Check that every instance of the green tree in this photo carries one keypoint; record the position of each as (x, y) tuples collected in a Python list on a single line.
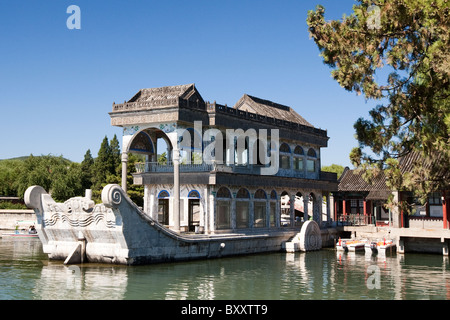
[(162, 158), (106, 167), (336, 168), (9, 170), (67, 182), (87, 167), (115, 153), (395, 52), (135, 192), (60, 177)]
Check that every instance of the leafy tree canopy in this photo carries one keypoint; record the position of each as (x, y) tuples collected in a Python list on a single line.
[(336, 168), (395, 52)]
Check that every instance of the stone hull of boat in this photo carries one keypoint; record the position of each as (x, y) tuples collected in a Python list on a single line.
[(118, 232)]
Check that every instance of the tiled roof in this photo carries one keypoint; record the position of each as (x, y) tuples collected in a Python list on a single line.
[(164, 93), (352, 180), (269, 109), (408, 162)]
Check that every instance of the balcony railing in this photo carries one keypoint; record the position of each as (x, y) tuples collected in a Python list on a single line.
[(356, 219), (142, 167)]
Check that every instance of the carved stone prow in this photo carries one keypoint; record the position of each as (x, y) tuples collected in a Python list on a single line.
[(37, 198)]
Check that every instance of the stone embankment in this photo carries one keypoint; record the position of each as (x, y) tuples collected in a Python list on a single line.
[(9, 218)]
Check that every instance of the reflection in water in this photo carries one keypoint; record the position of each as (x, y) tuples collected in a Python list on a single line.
[(25, 273), (58, 281)]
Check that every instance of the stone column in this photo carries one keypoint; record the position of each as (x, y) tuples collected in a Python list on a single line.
[(292, 210), (233, 212), (305, 207), (150, 209), (124, 171), (176, 190)]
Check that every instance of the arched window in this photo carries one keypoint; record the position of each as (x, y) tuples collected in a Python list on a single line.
[(142, 143), (163, 207), (285, 156), (298, 158), (311, 163), (298, 150), (259, 205), (163, 194), (223, 193), (223, 205), (273, 195), (260, 194), (242, 208), (194, 194), (285, 148), (243, 194), (312, 153)]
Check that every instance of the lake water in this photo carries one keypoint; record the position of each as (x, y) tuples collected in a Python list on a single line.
[(27, 274)]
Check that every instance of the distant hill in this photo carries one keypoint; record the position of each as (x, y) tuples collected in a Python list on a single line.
[(26, 157)]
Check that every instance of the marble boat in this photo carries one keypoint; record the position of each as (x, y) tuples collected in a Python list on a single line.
[(118, 232)]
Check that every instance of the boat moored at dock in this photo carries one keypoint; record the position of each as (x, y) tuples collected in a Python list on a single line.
[(351, 245), (380, 246)]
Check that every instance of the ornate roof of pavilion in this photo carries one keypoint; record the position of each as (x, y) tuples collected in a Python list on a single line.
[(270, 109), (352, 180), (184, 103), (185, 91)]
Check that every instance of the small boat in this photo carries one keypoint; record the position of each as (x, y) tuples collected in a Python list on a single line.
[(341, 245), (382, 246), (371, 247), (386, 246), (350, 245), (355, 245)]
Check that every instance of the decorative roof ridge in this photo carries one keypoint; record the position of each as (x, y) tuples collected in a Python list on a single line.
[(268, 103), (179, 90)]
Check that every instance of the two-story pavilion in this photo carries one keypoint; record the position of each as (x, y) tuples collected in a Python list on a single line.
[(248, 168)]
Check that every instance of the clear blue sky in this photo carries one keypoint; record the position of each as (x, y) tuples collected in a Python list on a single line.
[(58, 85)]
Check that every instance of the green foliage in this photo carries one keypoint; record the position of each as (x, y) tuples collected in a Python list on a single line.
[(10, 205), (64, 179), (9, 170), (57, 175), (105, 169), (399, 56), (336, 168), (135, 192), (162, 158), (87, 168)]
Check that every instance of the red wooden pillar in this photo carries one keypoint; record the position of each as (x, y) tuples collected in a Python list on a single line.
[(343, 208), (365, 210), (445, 208)]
